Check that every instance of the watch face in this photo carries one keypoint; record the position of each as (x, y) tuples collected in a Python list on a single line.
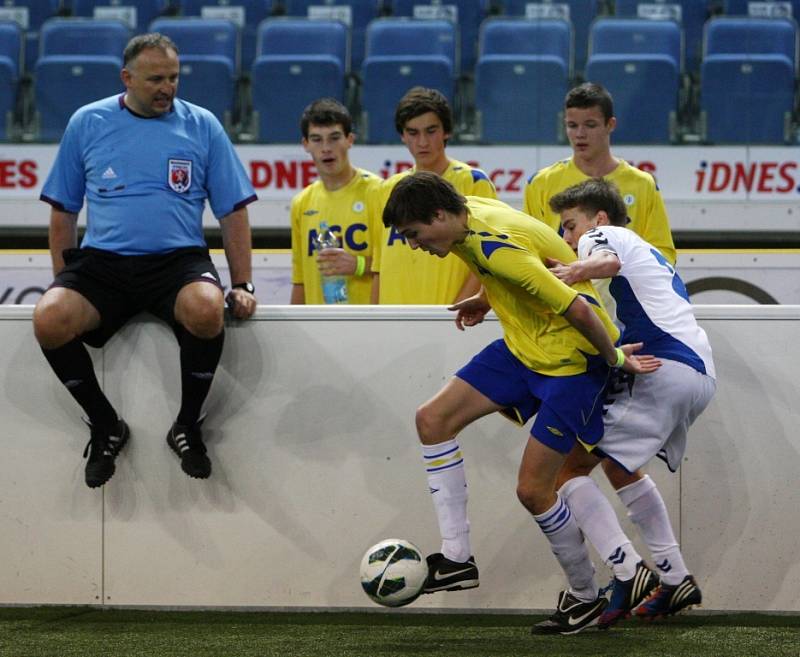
[(247, 287)]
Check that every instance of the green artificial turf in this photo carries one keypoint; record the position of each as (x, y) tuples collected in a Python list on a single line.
[(86, 632)]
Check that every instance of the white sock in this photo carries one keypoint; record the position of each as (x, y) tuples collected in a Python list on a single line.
[(596, 518), (647, 510), (447, 483), (568, 546)]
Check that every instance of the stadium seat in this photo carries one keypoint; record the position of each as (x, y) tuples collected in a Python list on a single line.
[(209, 50), (636, 36), (387, 37), (80, 36), (63, 83), (136, 15), (645, 91), (403, 53), (580, 13), (519, 98), (512, 36), (762, 36), (11, 44), (29, 14), (521, 78), (747, 80), (467, 15), (763, 8), (690, 14), (356, 14), (746, 100), (301, 36), (245, 14), (298, 61)]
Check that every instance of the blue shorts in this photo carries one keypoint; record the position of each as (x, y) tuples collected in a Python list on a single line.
[(567, 408)]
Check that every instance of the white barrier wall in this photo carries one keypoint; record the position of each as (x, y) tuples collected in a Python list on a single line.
[(310, 431)]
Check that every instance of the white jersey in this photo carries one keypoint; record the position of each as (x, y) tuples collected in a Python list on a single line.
[(648, 300)]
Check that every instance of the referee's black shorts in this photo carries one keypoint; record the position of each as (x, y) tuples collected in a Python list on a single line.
[(121, 286)]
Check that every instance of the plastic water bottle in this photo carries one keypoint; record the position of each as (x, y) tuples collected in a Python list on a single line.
[(334, 288)]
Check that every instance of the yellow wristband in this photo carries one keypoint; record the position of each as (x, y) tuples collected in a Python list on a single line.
[(620, 358), (361, 265)]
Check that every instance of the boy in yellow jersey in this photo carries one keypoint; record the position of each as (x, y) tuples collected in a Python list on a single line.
[(425, 123), (553, 361), (589, 120), (341, 197)]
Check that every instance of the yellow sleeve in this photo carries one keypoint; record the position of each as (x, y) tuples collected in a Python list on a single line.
[(526, 270), (528, 204), (535, 203), (297, 238), (378, 197), (484, 187), (656, 228)]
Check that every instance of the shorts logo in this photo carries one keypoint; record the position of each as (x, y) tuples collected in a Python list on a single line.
[(180, 175), (555, 432)]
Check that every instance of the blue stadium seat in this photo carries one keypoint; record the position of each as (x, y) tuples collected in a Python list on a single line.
[(403, 53), (466, 14), (645, 91), (356, 14), (63, 83), (209, 51), (762, 36), (512, 36), (747, 79), (762, 8), (387, 79), (245, 14), (80, 36), (195, 36), (636, 36), (746, 99), (405, 36), (580, 13), (301, 36), (519, 98), (29, 14), (136, 15), (521, 78), (299, 60), (11, 44), (690, 14)]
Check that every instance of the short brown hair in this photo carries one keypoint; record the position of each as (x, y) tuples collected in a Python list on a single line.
[(591, 196), (590, 94), (419, 101), (145, 41), (325, 112), (417, 197)]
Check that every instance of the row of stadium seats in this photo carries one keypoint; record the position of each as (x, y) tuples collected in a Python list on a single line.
[(466, 15), (522, 73)]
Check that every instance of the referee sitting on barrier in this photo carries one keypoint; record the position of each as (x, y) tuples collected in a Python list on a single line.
[(146, 162)]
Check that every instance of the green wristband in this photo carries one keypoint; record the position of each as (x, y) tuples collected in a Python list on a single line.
[(361, 265), (620, 358)]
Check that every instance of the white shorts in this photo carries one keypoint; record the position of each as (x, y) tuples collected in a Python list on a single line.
[(649, 415)]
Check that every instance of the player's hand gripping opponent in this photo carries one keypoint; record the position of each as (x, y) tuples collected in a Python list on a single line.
[(638, 364), (471, 311)]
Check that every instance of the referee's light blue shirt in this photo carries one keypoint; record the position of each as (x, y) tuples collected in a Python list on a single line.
[(146, 180)]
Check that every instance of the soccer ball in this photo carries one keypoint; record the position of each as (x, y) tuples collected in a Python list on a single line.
[(393, 572)]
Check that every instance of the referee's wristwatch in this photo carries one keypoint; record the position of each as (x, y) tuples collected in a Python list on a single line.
[(247, 286)]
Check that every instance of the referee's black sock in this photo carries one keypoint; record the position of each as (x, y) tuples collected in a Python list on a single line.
[(73, 367), (199, 360)]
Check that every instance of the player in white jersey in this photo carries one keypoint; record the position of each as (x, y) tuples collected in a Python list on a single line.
[(645, 416)]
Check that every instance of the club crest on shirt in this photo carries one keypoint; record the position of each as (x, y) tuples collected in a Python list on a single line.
[(180, 175)]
